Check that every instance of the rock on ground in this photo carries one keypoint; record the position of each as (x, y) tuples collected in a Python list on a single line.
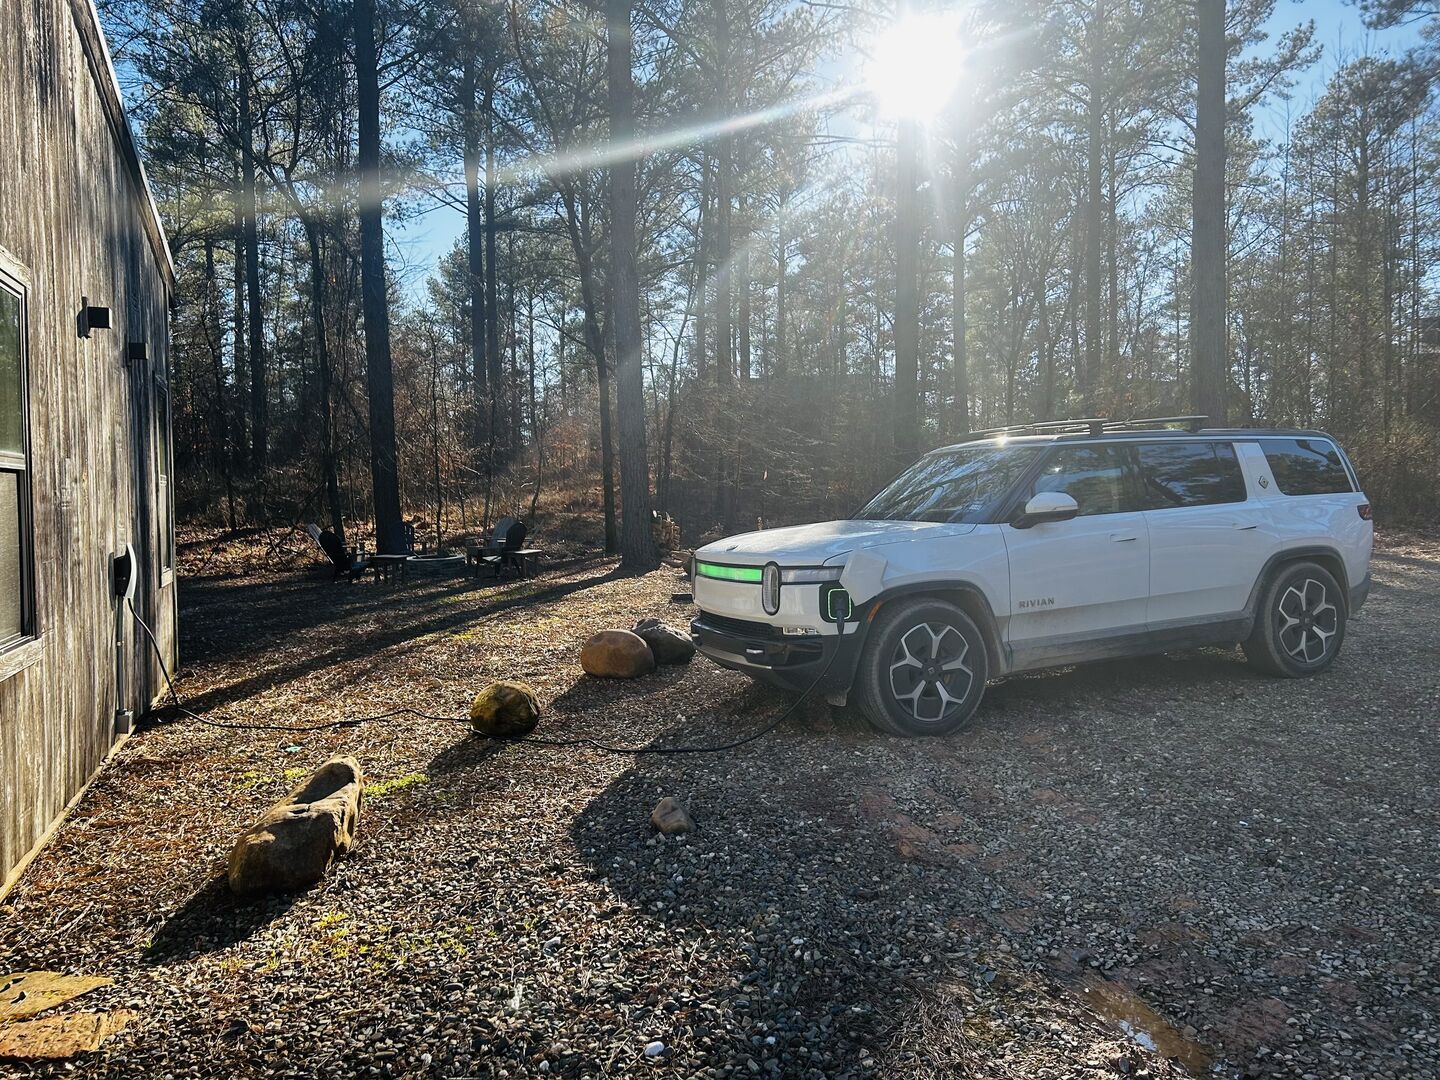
[(293, 844), (617, 654), (670, 817), (505, 710), (670, 646)]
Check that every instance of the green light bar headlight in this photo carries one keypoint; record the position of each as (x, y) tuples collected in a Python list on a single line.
[(749, 574)]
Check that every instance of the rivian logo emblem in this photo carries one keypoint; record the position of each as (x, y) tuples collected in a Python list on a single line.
[(1040, 602)]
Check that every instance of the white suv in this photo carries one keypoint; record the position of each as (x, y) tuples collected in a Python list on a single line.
[(1045, 546)]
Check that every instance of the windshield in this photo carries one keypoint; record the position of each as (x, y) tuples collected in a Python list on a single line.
[(954, 486)]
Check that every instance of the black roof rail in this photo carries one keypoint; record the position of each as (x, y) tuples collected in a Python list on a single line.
[(1191, 423), (1090, 425)]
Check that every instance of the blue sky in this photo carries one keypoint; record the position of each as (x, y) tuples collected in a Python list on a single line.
[(418, 242)]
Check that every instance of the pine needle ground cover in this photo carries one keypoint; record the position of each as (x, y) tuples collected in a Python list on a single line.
[(1161, 865)]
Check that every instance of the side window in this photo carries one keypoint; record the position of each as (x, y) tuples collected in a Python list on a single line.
[(17, 572), (1306, 466), (162, 473), (1096, 477), (1190, 474)]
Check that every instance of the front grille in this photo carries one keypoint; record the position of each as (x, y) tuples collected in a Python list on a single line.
[(739, 627)]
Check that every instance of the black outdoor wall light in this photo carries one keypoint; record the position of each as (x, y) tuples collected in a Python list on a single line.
[(91, 317)]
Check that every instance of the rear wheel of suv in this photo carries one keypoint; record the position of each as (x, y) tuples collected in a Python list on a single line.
[(1300, 624), (923, 669)]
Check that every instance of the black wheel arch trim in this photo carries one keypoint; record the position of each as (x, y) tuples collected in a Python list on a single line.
[(1298, 554), (938, 590)]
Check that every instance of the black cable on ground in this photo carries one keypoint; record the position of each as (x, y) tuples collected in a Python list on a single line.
[(403, 710)]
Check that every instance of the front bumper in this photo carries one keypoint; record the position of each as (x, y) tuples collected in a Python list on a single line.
[(764, 653)]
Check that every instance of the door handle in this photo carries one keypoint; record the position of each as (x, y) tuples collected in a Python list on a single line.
[(1242, 527), (1123, 537)]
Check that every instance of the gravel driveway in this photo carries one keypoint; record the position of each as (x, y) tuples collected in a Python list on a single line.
[(1159, 867)]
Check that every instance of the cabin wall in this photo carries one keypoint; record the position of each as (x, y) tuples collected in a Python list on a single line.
[(74, 216)]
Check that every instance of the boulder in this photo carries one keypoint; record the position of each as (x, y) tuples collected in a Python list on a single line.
[(617, 654), (669, 645), (505, 710), (293, 843), (670, 817)]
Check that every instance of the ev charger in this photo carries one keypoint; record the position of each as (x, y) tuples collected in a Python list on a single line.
[(122, 586), (122, 573)]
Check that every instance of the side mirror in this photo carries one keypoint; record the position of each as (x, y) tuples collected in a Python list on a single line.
[(1047, 506)]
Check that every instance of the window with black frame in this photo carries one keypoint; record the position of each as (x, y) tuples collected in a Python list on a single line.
[(1094, 476), (1190, 474), (16, 572), (1306, 466)]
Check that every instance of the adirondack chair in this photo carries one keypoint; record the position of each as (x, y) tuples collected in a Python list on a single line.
[(345, 561), (488, 545), (509, 555)]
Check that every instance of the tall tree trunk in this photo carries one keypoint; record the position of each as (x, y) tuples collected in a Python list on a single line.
[(1207, 246), (375, 303), (742, 287), (1090, 370), (1285, 387), (492, 279), (595, 342), (318, 297), (782, 268), (238, 347), (637, 540), (724, 196), (724, 270), (1045, 408), (259, 393), (703, 229), (511, 382), (1072, 307), (475, 258), (1362, 382), (907, 293), (220, 418), (1112, 273), (955, 413)]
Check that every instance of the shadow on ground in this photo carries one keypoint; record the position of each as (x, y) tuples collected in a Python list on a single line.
[(1078, 851), (261, 614), (212, 919)]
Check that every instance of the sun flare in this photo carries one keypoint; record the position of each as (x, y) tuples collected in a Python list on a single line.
[(916, 66)]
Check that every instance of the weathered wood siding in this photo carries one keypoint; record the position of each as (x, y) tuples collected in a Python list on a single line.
[(75, 215)]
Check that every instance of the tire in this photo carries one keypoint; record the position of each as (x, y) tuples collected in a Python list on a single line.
[(1300, 623), (923, 669)]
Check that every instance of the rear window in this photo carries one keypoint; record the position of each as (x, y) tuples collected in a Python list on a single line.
[(1190, 474), (1306, 466)]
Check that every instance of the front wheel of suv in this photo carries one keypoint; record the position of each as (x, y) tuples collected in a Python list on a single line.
[(1300, 624), (923, 669)]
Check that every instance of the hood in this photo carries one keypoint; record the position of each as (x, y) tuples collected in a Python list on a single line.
[(812, 545)]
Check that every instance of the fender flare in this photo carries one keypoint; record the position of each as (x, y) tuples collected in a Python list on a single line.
[(1293, 554), (988, 624)]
